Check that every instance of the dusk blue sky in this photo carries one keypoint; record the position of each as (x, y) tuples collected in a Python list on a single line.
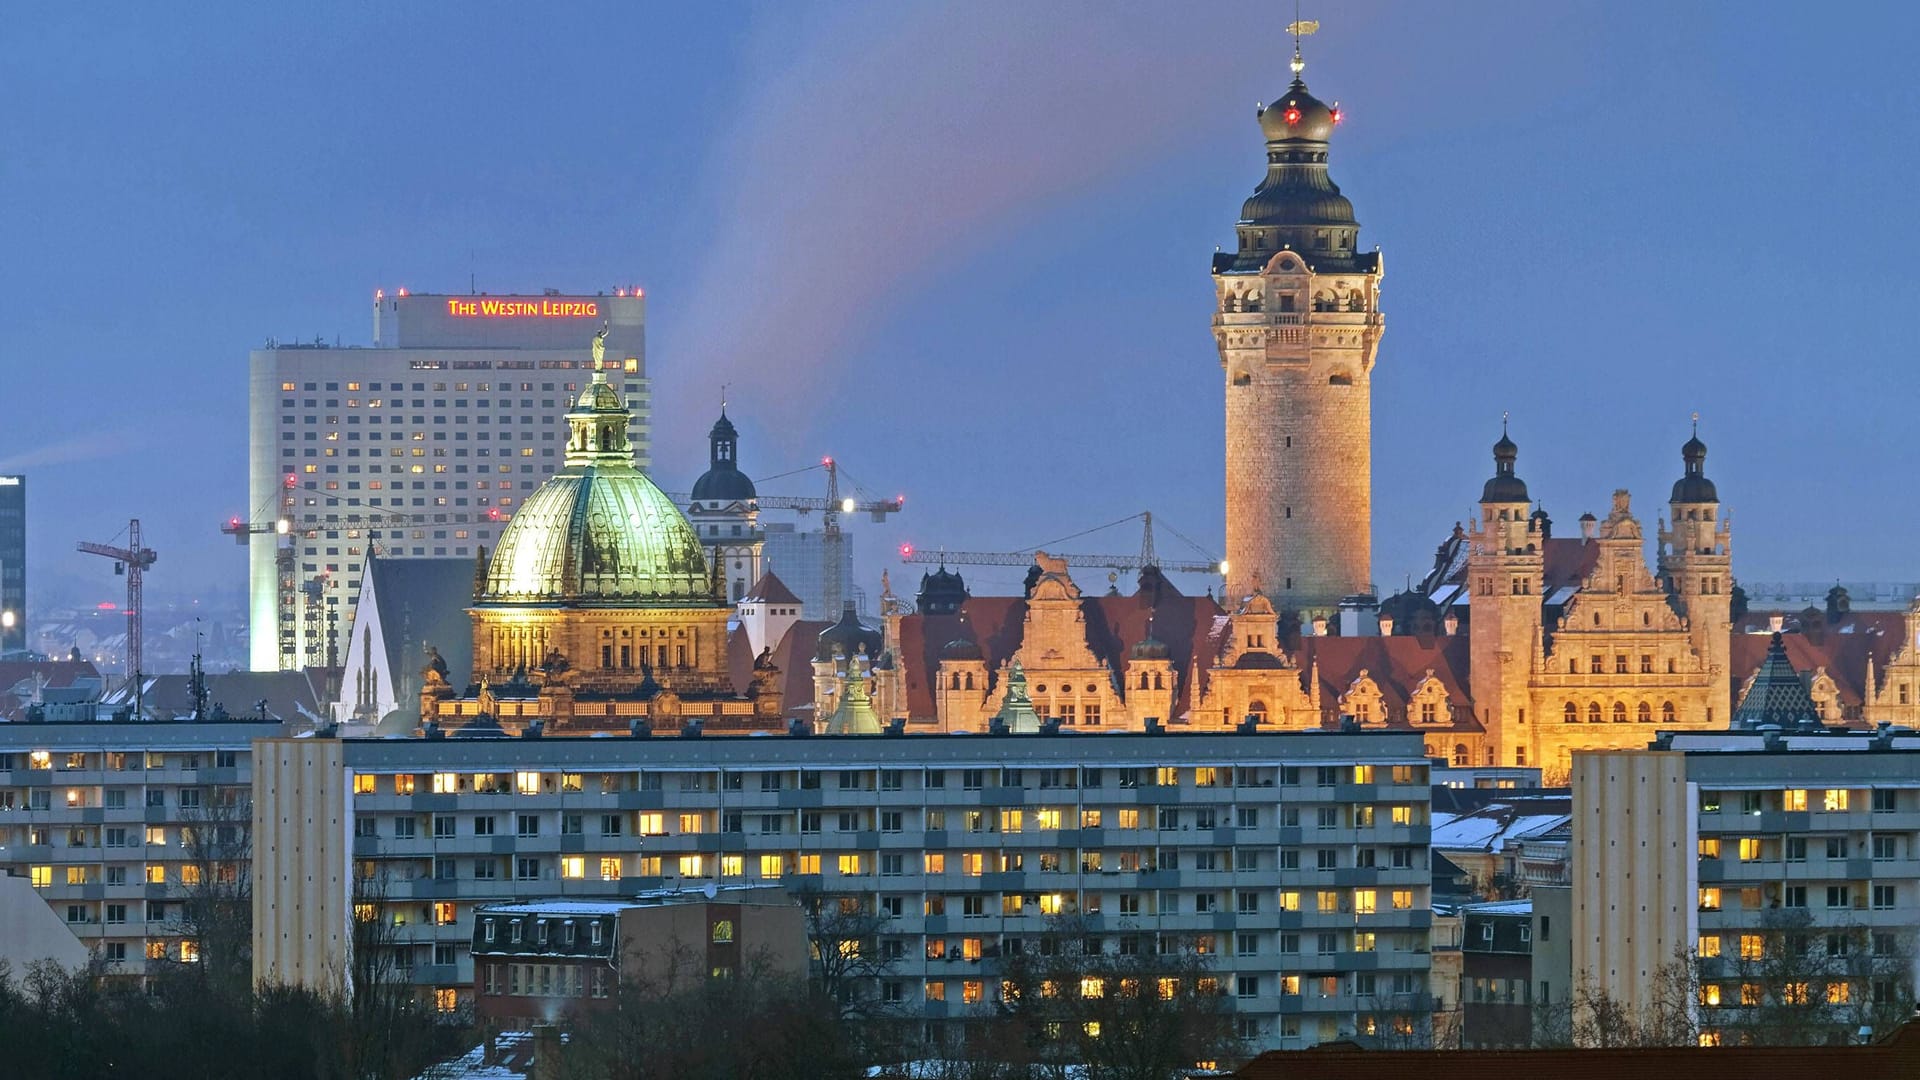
[(965, 248)]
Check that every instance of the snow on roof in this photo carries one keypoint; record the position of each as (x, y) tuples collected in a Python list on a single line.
[(1498, 907), (1488, 827)]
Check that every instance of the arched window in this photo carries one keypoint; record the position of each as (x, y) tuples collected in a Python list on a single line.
[(1459, 753), (1666, 712), (1146, 680), (1643, 713), (1570, 714), (969, 680), (1619, 712), (1257, 710), (956, 680), (1157, 683), (1593, 712)]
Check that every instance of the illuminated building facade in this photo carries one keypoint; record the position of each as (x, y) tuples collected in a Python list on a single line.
[(13, 564), (1788, 864), (422, 445), (99, 818), (599, 607), (1298, 863)]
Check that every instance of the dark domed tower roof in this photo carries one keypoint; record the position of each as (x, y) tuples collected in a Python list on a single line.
[(847, 637), (941, 592), (1504, 487), (1297, 205), (961, 649), (1693, 485), (723, 481)]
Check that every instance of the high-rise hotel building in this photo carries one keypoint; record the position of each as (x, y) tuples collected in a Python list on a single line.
[(421, 445), (13, 563)]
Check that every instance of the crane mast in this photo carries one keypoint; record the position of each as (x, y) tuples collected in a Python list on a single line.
[(133, 560)]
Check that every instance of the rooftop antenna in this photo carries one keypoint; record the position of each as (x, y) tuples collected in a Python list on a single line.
[(1696, 423), (1300, 28), (723, 398), (1503, 423)]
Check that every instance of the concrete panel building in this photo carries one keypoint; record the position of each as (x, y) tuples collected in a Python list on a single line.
[(1298, 861), (114, 825), (1787, 867)]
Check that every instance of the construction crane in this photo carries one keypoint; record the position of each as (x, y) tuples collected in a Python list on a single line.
[(1147, 557), (833, 541), (293, 593), (133, 561)]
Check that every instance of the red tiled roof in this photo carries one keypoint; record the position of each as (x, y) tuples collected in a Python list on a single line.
[(1567, 560), (17, 678), (1114, 625), (1842, 648), (1396, 664), (793, 655), (771, 590), (1897, 1056)]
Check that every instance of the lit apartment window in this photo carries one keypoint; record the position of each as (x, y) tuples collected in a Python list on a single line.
[(936, 862), (527, 783), (573, 866), (1753, 947), (1835, 799), (1709, 945), (444, 913), (771, 867), (1709, 847), (403, 784), (1749, 848), (1793, 799), (1363, 901), (363, 784), (1709, 899), (610, 868)]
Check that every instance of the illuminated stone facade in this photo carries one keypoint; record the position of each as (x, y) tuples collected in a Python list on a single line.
[(1297, 323), (599, 608)]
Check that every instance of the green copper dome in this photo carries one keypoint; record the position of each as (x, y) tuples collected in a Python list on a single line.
[(598, 532)]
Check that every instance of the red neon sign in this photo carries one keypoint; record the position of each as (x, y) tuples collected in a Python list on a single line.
[(523, 309)]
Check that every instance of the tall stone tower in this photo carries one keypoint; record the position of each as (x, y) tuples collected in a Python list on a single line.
[(1696, 565), (1505, 563), (1297, 322)]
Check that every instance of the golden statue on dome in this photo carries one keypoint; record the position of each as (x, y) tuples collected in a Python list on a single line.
[(600, 347)]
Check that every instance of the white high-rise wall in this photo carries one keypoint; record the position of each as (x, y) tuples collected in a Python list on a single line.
[(422, 445)]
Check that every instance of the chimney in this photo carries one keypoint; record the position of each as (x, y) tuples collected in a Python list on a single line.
[(1587, 522), (1452, 623), (546, 1053), (1319, 626), (1386, 626), (1776, 622)]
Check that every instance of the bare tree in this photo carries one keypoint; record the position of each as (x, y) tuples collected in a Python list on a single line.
[(1121, 1014), (843, 945), (216, 909)]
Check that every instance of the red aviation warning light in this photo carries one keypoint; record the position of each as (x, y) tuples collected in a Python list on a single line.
[(1336, 113), (1292, 114), (906, 551)]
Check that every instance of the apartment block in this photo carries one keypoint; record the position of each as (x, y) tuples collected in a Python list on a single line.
[(113, 824), (1788, 866), (1299, 861)]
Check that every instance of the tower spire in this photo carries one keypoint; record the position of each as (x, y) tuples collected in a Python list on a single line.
[(1300, 28)]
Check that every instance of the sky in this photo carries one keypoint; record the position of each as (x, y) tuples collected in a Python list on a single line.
[(965, 248)]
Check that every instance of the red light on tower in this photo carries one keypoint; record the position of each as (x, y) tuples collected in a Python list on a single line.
[(826, 461), (1336, 114), (1292, 114), (906, 551), (291, 482), (403, 290), (494, 513)]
